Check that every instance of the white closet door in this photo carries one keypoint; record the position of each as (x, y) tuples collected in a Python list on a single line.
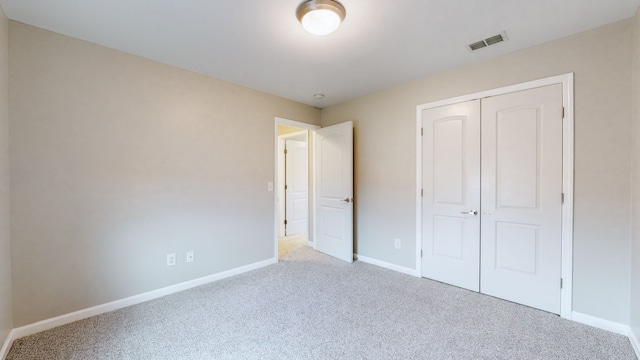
[(522, 197), (451, 199)]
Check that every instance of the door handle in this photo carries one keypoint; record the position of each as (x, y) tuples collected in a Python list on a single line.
[(347, 200), (470, 212)]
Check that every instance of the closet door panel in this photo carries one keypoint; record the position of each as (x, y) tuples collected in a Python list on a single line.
[(451, 199), (522, 197)]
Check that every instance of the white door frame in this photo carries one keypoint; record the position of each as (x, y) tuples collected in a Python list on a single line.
[(282, 121), (566, 80)]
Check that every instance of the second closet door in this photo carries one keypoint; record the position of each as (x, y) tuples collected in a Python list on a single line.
[(521, 218)]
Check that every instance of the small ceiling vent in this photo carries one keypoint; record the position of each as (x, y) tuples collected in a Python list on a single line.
[(492, 40)]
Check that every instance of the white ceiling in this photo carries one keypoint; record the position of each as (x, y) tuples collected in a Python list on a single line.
[(260, 44)]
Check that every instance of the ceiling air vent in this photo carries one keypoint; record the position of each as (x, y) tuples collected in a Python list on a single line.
[(477, 45), (492, 40)]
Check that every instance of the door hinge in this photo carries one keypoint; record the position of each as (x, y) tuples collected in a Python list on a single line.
[(563, 112), (421, 192), (286, 187), (420, 252), (285, 222), (562, 198), (561, 283), (421, 131), (285, 151)]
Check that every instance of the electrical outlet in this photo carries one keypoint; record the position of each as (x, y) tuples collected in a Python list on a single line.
[(396, 243), (171, 259), (189, 256)]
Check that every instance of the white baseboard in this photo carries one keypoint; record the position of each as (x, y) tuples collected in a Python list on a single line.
[(634, 337), (137, 299), (386, 265), (119, 304), (7, 344), (600, 323)]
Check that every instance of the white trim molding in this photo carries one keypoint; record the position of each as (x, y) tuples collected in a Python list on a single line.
[(7, 344), (600, 323), (566, 293), (635, 341), (123, 303), (386, 265)]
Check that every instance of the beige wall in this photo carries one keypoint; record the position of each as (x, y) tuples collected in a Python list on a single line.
[(5, 247), (635, 272), (285, 129), (385, 147), (118, 160)]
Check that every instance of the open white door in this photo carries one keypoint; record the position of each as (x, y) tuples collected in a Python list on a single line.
[(333, 161)]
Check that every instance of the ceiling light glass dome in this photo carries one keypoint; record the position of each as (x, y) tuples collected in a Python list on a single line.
[(320, 17)]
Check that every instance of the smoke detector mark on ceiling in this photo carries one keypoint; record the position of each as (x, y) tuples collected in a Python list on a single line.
[(492, 40)]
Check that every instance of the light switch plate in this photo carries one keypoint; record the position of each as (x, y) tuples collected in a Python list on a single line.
[(171, 259)]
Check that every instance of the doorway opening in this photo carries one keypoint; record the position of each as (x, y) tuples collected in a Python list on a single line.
[(328, 203), (293, 186)]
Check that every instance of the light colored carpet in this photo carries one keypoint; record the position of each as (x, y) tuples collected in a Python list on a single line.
[(288, 243), (312, 306)]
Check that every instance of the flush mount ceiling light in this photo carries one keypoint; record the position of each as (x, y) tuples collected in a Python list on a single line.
[(320, 17)]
